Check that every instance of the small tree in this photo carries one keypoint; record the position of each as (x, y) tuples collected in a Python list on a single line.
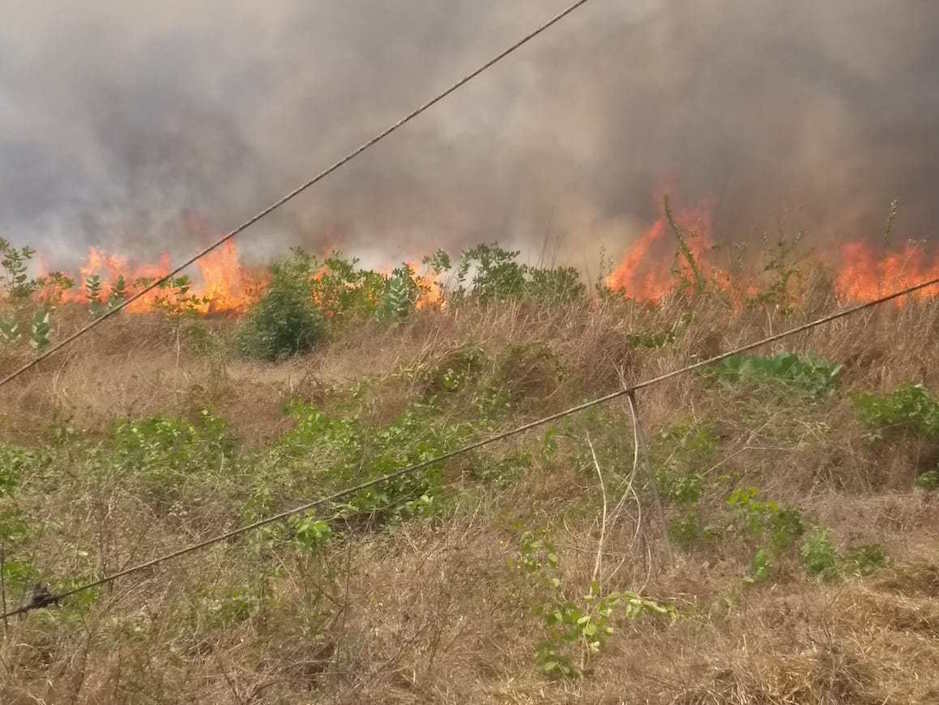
[(20, 311), (93, 294), (285, 321), (118, 293), (15, 280), (402, 292)]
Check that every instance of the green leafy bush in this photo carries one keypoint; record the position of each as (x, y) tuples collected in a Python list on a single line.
[(928, 481), (781, 525), (679, 454), (773, 527), (310, 533), (15, 465), (810, 375), (41, 329), (455, 371), (401, 294), (322, 454), (15, 281), (560, 285), (911, 408), (159, 456), (496, 274), (575, 630), (490, 273), (687, 530), (819, 555), (286, 320), (864, 560)]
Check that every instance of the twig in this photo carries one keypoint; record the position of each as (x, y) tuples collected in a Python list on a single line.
[(3, 586), (630, 488), (683, 248), (635, 470), (637, 428), (599, 560)]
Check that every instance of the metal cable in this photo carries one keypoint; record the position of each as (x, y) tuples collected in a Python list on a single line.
[(624, 391), (298, 190)]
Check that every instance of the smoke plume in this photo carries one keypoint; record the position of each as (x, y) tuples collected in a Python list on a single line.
[(147, 127)]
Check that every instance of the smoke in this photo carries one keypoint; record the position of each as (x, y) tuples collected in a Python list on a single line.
[(145, 127)]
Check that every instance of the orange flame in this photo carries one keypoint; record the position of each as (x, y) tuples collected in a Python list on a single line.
[(223, 284), (226, 285), (864, 274), (648, 270)]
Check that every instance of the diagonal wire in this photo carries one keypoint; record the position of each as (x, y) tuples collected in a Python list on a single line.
[(624, 391), (299, 189)]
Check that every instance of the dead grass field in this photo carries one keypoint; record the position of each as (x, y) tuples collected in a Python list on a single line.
[(432, 607)]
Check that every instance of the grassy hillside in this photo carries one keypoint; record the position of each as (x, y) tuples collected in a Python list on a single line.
[(774, 539)]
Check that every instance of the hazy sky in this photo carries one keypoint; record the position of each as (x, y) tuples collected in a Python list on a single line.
[(144, 126)]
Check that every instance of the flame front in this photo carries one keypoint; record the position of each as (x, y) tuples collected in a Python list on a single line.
[(651, 268), (223, 284), (227, 286), (865, 275), (648, 270)]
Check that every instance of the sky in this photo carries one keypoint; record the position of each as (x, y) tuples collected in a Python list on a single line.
[(143, 127)]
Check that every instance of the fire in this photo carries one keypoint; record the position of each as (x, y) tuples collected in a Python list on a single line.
[(653, 267), (647, 270), (223, 284), (865, 274), (226, 285), (431, 296)]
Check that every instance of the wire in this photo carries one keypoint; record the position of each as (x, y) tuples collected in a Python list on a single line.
[(298, 190), (624, 391)]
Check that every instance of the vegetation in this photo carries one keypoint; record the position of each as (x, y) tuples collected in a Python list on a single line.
[(787, 369), (771, 538), (286, 321)]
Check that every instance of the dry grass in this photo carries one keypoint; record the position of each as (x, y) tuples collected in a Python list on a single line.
[(435, 610)]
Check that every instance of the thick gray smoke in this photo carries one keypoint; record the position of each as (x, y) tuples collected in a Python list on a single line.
[(150, 126)]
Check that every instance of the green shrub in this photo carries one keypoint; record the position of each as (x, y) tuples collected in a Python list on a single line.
[(14, 462), (761, 567), (687, 530), (575, 630), (15, 282), (401, 294), (323, 454), (560, 285), (496, 274), (928, 481), (678, 455), (911, 408), (159, 456), (489, 273), (15, 465), (774, 527), (810, 375), (864, 560), (233, 607), (455, 371), (285, 321), (767, 519), (342, 291), (819, 555)]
